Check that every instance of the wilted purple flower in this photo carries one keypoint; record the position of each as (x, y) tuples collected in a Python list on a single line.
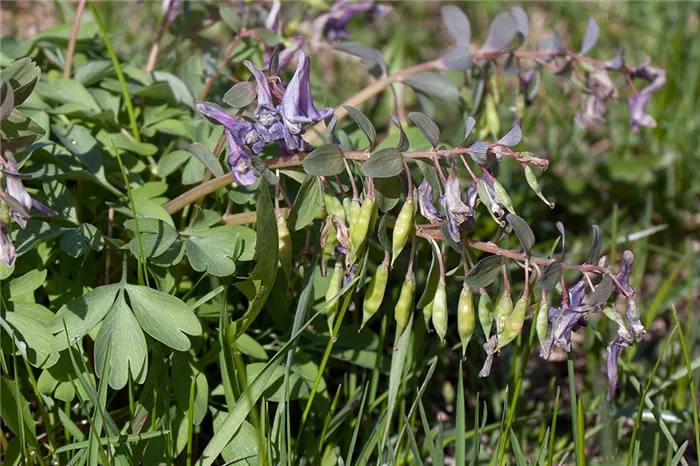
[(7, 249), (288, 53), (561, 323), (577, 293), (425, 203), (638, 102), (169, 8), (333, 25), (623, 275), (297, 107), (612, 352), (23, 202), (602, 89), (236, 131), (272, 22), (457, 211), (266, 111)]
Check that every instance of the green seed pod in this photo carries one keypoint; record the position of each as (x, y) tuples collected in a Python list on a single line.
[(335, 285), (375, 293), (514, 324), (504, 306), (284, 246), (358, 231), (542, 323), (428, 314), (440, 312), (354, 214), (535, 185), (402, 229), (465, 317), (402, 311), (485, 314), (503, 196), (333, 206)]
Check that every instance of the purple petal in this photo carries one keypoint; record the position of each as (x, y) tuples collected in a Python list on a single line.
[(297, 105), (42, 209), (576, 293), (425, 203), (638, 112), (7, 249), (612, 352), (239, 160), (457, 211), (218, 115), (623, 275), (266, 110)]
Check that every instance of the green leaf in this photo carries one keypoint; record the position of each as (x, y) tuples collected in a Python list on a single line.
[(602, 292), (550, 276), (32, 339), (522, 231), (484, 272), (326, 160), (81, 315), (433, 84), (398, 361), (427, 126), (93, 71), (156, 236), (61, 199), (25, 284), (22, 75), (520, 459), (384, 163), (298, 386), (11, 403), (250, 347), (596, 245), (78, 241), (127, 350), (231, 17), (7, 100), (19, 131), (241, 94), (80, 142), (308, 203), (266, 252), (68, 91), (164, 317), (207, 158), (212, 250), (364, 123), (36, 232), (388, 192), (243, 448), (183, 372)]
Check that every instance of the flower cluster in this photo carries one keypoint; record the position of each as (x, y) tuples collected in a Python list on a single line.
[(333, 24), (282, 123), (15, 197)]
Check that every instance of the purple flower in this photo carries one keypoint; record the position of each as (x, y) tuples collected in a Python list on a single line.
[(577, 293), (457, 211), (18, 195), (561, 323), (7, 249), (297, 107), (623, 275), (169, 8), (333, 24), (638, 102), (272, 22), (288, 53), (425, 203), (236, 131), (612, 352), (266, 111), (602, 89)]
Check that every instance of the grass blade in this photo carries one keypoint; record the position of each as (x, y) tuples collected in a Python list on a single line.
[(460, 446), (517, 451), (553, 429), (190, 419), (414, 445), (678, 457), (574, 407), (398, 361), (356, 430), (542, 455)]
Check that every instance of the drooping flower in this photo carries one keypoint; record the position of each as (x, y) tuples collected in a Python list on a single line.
[(425, 203), (235, 131), (20, 201), (266, 111), (563, 321), (7, 249), (297, 107), (333, 24), (612, 352), (457, 211), (638, 102), (594, 108)]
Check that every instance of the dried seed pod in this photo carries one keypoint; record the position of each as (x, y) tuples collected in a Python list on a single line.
[(542, 324), (485, 313), (514, 323), (402, 311), (375, 293), (466, 320), (334, 287), (440, 311), (402, 229), (284, 246), (504, 306)]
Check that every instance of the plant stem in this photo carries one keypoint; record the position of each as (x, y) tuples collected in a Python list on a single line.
[(70, 51), (153, 56), (574, 407)]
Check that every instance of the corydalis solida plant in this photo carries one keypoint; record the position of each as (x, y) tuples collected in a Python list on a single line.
[(459, 201)]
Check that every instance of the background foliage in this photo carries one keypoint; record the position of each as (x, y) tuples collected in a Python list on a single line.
[(194, 375)]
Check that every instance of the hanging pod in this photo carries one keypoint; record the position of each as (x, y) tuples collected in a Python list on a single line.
[(284, 246), (485, 314), (428, 314), (466, 320), (440, 311), (360, 227), (514, 323), (375, 293), (542, 323), (535, 185), (504, 306), (333, 207), (402, 229), (402, 311), (335, 285)]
